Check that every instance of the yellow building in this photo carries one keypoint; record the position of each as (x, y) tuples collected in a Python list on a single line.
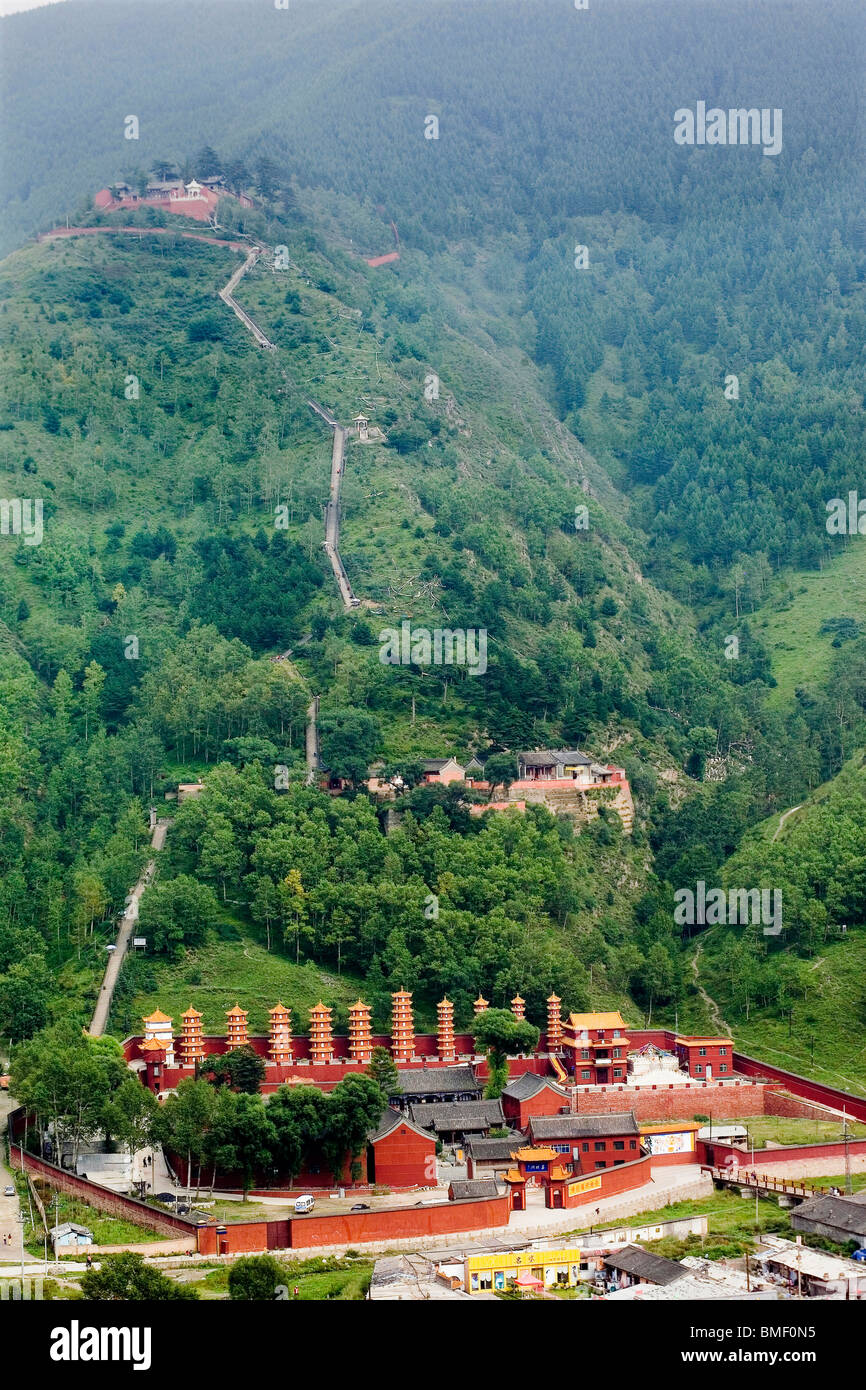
[(538, 1269)]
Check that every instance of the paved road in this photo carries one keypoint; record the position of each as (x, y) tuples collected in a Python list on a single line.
[(127, 922), (227, 296), (332, 518), (10, 1226)]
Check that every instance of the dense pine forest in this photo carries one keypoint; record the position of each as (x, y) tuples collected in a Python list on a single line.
[(669, 337)]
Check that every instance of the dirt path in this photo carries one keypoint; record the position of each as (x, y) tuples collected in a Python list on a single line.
[(782, 820), (712, 1007), (226, 294), (127, 922)]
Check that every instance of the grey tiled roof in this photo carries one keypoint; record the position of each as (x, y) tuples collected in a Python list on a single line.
[(474, 1187), (582, 1126), (843, 1212), (633, 1259), (495, 1150), (391, 1118), (425, 1081), (529, 1085), (459, 1115)]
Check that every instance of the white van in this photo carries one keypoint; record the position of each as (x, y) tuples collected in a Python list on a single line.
[(304, 1204)]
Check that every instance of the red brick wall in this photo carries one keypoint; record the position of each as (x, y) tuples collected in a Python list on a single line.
[(718, 1154), (112, 1203), (781, 1103), (724, 1100), (348, 1229), (408, 1222), (802, 1086), (240, 1238), (404, 1158), (614, 1180)]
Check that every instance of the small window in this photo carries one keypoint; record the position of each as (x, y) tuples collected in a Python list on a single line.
[(632, 1143), (585, 1075), (698, 1069), (617, 1052), (585, 1148), (617, 1071), (601, 1165), (618, 1162), (723, 1052), (584, 1053), (723, 1066), (619, 1143), (702, 1052), (599, 1146)]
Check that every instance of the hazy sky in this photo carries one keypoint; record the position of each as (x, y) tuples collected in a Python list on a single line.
[(12, 6)]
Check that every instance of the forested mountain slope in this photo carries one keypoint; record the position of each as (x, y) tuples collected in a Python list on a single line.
[(165, 444), (143, 647), (800, 999)]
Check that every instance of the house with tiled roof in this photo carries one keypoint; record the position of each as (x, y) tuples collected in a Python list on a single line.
[(453, 1122), (529, 1095)]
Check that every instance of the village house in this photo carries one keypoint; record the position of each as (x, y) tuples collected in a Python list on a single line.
[(453, 1122)]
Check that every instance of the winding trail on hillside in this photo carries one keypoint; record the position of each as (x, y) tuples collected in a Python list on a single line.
[(711, 1006), (782, 820), (116, 957), (254, 250)]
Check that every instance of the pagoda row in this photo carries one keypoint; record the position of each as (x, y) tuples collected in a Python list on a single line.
[(190, 1048)]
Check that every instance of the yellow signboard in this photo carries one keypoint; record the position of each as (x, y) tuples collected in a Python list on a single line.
[(584, 1185), (523, 1259)]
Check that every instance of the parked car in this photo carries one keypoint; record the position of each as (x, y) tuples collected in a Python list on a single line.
[(360, 1206), (304, 1204), (9, 1191)]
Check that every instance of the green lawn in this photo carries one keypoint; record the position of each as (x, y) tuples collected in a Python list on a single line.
[(223, 973), (107, 1230), (781, 1129), (729, 1215), (791, 627), (316, 1280)]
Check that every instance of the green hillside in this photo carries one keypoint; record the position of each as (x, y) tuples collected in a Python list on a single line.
[(694, 381)]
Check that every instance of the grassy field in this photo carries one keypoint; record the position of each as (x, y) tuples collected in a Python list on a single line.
[(729, 1216), (107, 1230), (224, 973), (791, 626), (780, 1129), (317, 1280)]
